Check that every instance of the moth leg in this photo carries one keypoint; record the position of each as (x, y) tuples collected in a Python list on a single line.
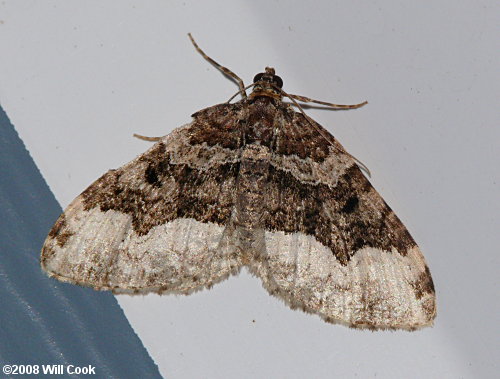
[(145, 138)]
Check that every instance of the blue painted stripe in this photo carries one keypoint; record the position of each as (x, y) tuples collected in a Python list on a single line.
[(43, 321)]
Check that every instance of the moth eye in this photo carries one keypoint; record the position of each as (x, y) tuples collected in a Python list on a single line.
[(275, 79), (278, 81), (258, 77)]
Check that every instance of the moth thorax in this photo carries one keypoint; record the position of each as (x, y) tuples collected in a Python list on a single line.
[(267, 84)]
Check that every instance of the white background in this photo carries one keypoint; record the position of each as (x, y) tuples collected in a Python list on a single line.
[(77, 78)]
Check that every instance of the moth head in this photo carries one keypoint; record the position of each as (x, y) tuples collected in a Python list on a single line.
[(267, 84)]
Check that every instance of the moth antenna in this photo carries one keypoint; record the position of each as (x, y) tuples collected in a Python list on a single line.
[(227, 72), (331, 105), (145, 138), (361, 165)]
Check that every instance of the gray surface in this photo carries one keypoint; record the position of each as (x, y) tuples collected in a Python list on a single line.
[(80, 78), (43, 322)]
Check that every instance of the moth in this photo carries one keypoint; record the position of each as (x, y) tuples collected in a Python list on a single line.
[(252, 184)]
